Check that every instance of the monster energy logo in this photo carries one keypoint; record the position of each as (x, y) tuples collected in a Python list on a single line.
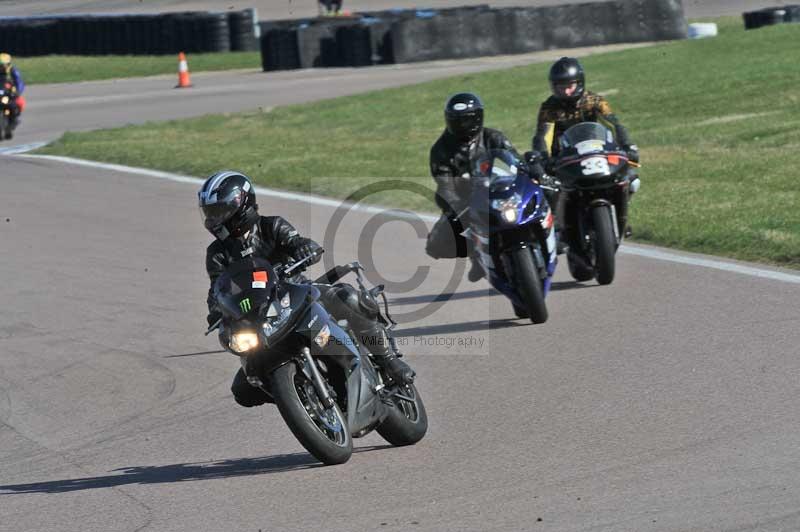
[(244, 304)]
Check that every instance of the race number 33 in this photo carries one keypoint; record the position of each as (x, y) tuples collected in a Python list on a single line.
[(595, 165)]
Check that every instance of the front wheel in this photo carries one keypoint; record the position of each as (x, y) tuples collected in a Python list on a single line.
[(604, 245), (407, 421), (5, 125), (322, 431), (528, 284)]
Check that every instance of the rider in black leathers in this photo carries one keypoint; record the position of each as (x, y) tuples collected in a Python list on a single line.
[(463, 142), (230, 213)]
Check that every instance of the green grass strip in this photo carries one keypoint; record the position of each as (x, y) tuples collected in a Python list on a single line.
[(717, 121)]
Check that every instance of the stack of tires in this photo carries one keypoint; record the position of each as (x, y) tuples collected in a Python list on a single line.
[(279, 49), (770, 16), (130, 34), (244, 30), (404, 36)]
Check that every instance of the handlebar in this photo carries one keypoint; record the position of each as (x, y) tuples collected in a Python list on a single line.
[(337, 272), (301, 262)]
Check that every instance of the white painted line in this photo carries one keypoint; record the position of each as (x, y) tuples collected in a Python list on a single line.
[(21, 148), (657, 254), (647, 252), (273, 193)]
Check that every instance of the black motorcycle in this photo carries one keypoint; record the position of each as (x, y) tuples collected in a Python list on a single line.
[(8, 110), (323, 381), (594, 174)]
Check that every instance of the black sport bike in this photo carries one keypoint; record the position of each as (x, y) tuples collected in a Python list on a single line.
[(323, 381), (594, 174)]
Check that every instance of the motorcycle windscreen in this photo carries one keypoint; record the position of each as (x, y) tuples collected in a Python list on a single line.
[(491, 164), (245, 287), (587, 137)]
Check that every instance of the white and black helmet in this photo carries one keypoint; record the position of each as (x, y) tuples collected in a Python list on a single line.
[(463, 115), (228, 204)]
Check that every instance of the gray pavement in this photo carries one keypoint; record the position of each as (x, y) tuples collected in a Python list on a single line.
[(666, 401), (282, 9)]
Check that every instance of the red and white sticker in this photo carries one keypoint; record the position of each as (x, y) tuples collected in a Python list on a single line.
[(260, 279)]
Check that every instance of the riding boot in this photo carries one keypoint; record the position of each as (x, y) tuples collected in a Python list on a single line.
[(476, 272), (385, 353)]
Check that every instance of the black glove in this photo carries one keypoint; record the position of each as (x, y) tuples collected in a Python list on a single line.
[(535, 162), (304, 247), (633, 152)]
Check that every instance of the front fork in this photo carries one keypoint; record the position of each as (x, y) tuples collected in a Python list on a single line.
[(311, 371)]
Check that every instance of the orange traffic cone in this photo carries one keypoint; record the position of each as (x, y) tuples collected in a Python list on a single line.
[(183, 72)]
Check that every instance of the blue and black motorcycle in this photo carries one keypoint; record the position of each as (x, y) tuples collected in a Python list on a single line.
[(511, 225)]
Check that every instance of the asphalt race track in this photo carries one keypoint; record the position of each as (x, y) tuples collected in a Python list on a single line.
[(665, 402)]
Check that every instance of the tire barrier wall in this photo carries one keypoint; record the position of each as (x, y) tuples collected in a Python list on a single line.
[(771, 15), (167, 33), (404, 36), (520, 30)]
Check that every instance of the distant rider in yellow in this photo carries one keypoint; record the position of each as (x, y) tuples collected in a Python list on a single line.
[(570, 104), (12, 81)]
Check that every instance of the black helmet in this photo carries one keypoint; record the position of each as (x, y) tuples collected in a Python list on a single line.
[(228, 204), (463, 114), (567, 79)]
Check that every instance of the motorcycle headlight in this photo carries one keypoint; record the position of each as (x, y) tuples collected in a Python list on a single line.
[(508, 207), (243, 342), (510, 215), (5, 99)]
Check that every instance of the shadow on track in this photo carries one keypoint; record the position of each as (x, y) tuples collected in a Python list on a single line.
[(196, 354), (570, 285), (186, 472), (437, 298), (488, 292), (467, 326)]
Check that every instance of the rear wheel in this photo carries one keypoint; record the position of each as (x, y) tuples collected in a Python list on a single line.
[(529, 285), (322, 431), (407, 421), (604, 245)]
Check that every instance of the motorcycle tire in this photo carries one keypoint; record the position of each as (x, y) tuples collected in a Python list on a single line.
[(520, 312), (5, 126), (297, 402), (605, 244), (407, 421), (529, 285)]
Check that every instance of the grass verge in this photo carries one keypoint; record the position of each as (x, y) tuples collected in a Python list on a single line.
[(70, 68), (717, 121)]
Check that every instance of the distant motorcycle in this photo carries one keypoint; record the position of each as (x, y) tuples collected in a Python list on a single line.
[(8, 109), (593, 172), (322, 379), (511, 226)]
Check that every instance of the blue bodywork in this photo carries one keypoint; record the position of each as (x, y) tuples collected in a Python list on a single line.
[(492, 233)]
